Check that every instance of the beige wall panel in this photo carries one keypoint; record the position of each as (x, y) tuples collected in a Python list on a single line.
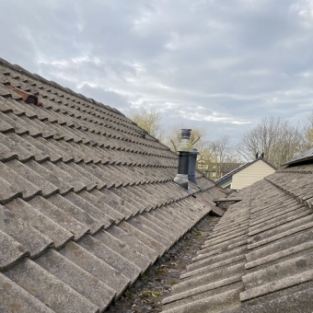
[(251, 174)]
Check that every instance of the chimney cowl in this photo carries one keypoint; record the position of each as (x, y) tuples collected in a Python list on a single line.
[(185, 140), (185, 133)]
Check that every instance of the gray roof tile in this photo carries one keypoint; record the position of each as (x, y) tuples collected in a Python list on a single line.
[(123, 249), (267, 241), (48, 289), (96, 267), (19, 184), (46, 187), (78, 279), (25, 145), (134, 242), (22, 231), (15, 299), (142, 236), (61, 215), (85, 200), (11, 251), (41, 221), (120, 263), (67, 206)]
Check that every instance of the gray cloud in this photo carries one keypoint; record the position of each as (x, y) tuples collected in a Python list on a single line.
[(219, 64)]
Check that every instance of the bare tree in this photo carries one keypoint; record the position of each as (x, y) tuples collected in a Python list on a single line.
[(222, 151), (149, 120), (276, 138), (308, 129)]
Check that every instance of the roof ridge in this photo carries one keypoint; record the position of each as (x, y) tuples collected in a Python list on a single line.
[(20, 69)]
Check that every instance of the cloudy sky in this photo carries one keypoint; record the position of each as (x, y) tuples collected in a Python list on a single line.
[(221, 65)]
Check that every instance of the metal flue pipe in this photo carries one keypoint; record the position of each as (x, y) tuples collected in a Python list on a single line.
[(183, 162)]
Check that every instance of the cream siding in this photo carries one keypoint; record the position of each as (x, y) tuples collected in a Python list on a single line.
[(251, 174)]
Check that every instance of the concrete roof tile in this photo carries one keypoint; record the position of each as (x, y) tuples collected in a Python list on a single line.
[(50, 176), (142, 236), (60, 216), (96, 198), (162, 223), (96, 267), (81, 171), (6, 153), (13, 298), (117, 261), (78, 279), (24, 142), (19, 125), (44, 286), (11, 251), (151, 230), (21, 185), (291, 272), (31, 239), (39, 221), (70, 169), (86, 219), (123, 249), (117, 203), (21, 153), (46, 187), (217, 303), (96, 214), (133, 242)]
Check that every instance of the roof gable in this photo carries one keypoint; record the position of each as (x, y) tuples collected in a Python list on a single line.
[(229, 176)]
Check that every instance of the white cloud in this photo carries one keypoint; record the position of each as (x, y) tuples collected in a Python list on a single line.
[(214, 117), (221, 64)]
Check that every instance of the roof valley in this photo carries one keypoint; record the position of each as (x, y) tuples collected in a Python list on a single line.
[(214, 277)]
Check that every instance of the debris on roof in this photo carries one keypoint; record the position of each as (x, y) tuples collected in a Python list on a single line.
[(86, 203)]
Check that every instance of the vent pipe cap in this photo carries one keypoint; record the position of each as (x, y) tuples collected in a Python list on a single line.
[(185, 133), (185, 140)]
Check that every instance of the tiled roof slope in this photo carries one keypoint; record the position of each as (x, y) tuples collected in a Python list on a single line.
[(86, 202), (259, 257)]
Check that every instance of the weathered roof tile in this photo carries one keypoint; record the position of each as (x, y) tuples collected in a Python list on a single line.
[(85, 200), (50, 229), (120, 263), (20, 184), (11, 251), (13, 298), (42, 170), (22, 231), (61, 216), (48, 289), (78, 279)]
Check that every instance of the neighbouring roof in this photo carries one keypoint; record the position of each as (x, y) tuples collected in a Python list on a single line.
[(86, 202), (228, 167), (306, 156), (225, 167), (229, 175), (259, 257)]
